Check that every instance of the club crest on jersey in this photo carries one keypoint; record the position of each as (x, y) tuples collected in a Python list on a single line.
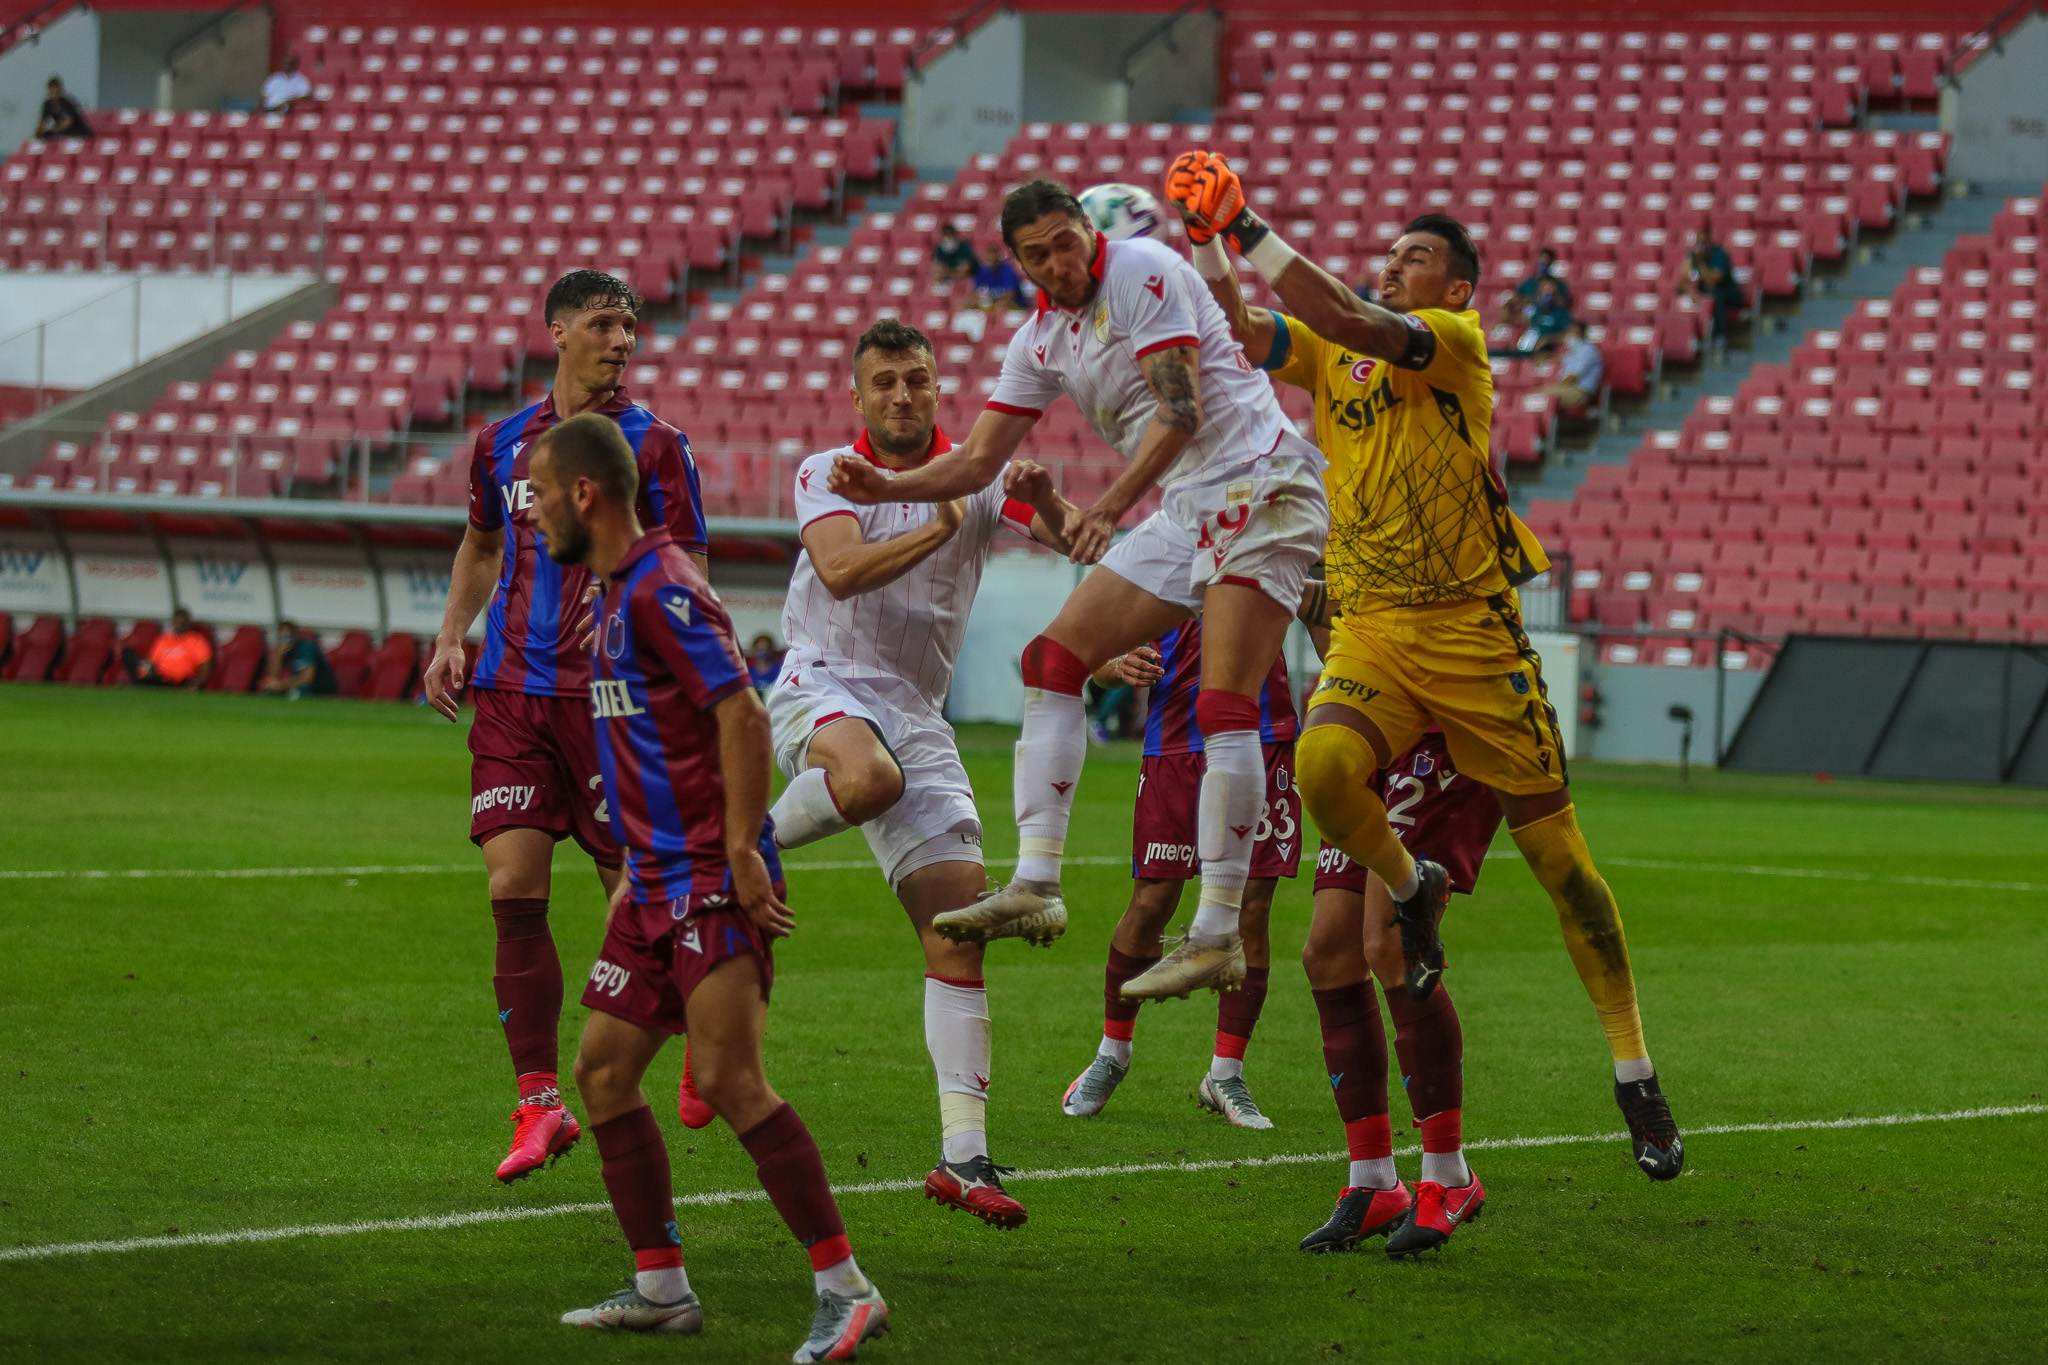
[(1362, 368), (1520, 682), (1424, 765), (1102, 321), (614, 635)]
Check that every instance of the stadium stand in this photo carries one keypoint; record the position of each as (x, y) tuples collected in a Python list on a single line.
[(1890, 480), (393, 667), (87, 653), (35, 651), (238, 663)]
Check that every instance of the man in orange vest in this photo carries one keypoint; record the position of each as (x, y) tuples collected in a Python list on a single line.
[(180, 657)]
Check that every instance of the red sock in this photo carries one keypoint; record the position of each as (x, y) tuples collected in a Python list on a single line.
[(1355, 1054), (1431, 1048), (636, 1176), (540, 1087), (1237, 1012), (529, 986), (1370, 1137), (1444, 1131), (1050, 665), (1120, 1016), (787, 1162)]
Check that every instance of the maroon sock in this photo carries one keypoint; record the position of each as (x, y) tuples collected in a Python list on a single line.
[(1120, 1016), (1354, 1050), (787, 1162), (528, 984), (636, 1175), (1237, 1012), (1431, 1049)]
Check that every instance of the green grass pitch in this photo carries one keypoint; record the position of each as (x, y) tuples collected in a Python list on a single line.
[(208, 1055)]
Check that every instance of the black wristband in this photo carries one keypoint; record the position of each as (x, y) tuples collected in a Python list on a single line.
[(1246, 231)]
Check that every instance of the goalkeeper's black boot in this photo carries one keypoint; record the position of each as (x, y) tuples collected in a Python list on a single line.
[(1660, 1151), (1422, 951)]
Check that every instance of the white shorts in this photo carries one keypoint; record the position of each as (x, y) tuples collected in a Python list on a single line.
[(935, 820), (1262, 525)]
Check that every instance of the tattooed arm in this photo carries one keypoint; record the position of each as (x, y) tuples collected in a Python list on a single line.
[(1173, 375), (1317, 612)]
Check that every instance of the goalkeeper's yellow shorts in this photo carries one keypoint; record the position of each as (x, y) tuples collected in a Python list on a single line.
[(1467, 668)]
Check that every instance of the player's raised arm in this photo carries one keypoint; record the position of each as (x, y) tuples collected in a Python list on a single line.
[(1173, 376), (1254, 328), (849, 566), (1028, 481), (1212, 203), (967, 468)]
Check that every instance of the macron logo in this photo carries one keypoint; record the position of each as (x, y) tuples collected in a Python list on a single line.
[(678, 607), (1041, 355), (1158, 287), (804, 480), (1061, 787), (1240, 831)]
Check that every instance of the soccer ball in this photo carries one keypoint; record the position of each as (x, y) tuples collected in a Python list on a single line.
[(1123, 211)]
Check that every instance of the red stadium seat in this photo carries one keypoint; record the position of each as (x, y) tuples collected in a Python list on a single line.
[(238, 663), (393, 667), (35, 651), (350, 660), (86, 654)]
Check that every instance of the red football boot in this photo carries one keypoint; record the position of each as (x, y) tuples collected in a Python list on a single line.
[(690, 1105), (976, 1186), (1437, 1213), (1361, 1212), (541, 1135)]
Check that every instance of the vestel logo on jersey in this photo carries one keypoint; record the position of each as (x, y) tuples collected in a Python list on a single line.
[(518, 496), (610, 699), (509, 797)]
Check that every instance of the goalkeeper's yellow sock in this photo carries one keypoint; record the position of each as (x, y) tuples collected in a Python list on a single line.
[(1557, 854), (1333, 770)]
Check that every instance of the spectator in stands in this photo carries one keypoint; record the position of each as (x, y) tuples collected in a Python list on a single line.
[(61, 116), (286, 86), (1710, 276), (1547, 314), (297, 665), (997, 285), (764, 662), (953, 258), (1580, 371), (180, 657), (1546, 269)]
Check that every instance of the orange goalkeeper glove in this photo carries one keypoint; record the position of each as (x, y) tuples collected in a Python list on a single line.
[(1211, 201)]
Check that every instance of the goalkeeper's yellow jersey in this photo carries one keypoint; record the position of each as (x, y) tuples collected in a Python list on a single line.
[(1418, 517)]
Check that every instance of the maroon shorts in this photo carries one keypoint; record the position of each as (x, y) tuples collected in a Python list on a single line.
[(1438, 814), (534, 766), (648, 981), (1163, 825)]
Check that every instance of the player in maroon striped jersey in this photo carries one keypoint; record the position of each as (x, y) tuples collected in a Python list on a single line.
[(1163, 855), (534, 777), (684, 744)]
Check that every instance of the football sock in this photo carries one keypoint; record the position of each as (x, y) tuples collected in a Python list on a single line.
[(528, 984), (1227, 814), (1237, 1014), (957, 1034), (1120, 1016), (1430, 1045), (634, 1162), (806, 811), (841, 1277), (541, 1088), (1050, 752), (1334, 766), (787, 1163), (1556, 853), (1355, 1056), (665, 1285)]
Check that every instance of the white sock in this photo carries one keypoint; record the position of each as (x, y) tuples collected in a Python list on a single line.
[(1049, 757), (1408, 888), (1225, 1068), (1226, 818), (806, 812), (1446, 1168), (1635, 1069), (662, 1286), (1118, 1050), (843, 1277), (957, 1034), (1374, 1173)]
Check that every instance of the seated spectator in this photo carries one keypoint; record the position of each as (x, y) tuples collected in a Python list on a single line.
[(1546, 269), (953, 258), (180, 657), (1547, 315), (1710, 276), (286, 86), (764, 662), (297, 666), (61, 116), (997, 285), (1580, 370)]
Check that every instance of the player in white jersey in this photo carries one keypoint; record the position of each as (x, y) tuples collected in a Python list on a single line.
[(1129, 332), (877, 607)]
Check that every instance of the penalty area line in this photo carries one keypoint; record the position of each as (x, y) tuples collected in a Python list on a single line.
[(447, 1221)]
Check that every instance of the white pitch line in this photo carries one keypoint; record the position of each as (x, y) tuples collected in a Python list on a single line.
[(440, 1222)]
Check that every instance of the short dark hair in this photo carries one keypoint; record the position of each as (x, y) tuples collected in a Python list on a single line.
[(581, 289), (591, 446), (1031, 201), (945, 228), (1464, 255), (892, 336)]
